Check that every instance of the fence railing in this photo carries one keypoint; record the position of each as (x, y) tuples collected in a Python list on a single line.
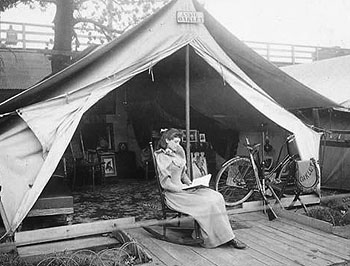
[(39, 36)]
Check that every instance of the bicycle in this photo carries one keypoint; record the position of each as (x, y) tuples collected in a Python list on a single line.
[(240, 177)]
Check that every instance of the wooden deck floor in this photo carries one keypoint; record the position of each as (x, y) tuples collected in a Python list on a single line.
[(279, 242)]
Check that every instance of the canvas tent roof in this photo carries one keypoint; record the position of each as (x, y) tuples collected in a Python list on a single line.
[(329, 77), (51, 110), (287, 91)]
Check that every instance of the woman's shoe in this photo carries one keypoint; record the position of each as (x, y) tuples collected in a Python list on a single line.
[(237, 244)]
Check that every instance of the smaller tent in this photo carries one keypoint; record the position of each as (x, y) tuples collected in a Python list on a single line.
[(329, 77)]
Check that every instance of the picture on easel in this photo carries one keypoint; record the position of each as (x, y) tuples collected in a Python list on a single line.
[(199, 164), (110, 168)]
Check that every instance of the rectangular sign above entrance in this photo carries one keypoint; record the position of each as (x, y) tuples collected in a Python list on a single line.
[(189, 17)]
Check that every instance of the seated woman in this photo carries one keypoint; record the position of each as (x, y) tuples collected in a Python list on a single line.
[(205, 205)]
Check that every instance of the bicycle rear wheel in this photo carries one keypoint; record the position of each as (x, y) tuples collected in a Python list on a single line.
[(235, 181)]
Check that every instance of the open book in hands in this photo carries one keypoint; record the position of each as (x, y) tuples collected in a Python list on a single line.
[(202, 181)]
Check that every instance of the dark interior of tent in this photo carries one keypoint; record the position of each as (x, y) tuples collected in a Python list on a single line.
[(155, 100)]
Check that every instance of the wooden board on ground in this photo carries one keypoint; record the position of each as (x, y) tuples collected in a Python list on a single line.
[(253, 206), (47, 206), (70, 231), (67, 245)]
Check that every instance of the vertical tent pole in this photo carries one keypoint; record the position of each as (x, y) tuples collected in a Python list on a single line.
[(188, 147)]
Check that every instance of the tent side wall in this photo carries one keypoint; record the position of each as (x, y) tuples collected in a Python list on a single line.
[(335, 145)]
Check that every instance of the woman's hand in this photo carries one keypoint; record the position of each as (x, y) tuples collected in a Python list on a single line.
[(188, 182)]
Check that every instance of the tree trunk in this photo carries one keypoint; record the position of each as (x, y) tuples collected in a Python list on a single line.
[(63, 35)]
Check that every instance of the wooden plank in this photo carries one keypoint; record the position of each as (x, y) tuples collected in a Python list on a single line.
[(253, 206), (335, 246), (332, 245), (249, 216), (62, 246), (343, 231), (53, 202), (243, 257), (227, 255), (70, 231), (153, 246), (311, 232), (281, 242), (215, 256), (316, 232), (277, 245), (311, 250), (308, 221), (185, 255), (261, 247), (251, 256), (316, 249), (49, 212)]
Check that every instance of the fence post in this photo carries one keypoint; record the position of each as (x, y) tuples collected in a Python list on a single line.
[(293, 54), (316, 54), (268, 51), (24, 35)]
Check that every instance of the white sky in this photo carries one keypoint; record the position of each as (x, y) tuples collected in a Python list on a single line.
[(304, 22)]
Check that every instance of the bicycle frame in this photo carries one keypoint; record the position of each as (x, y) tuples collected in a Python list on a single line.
[(270, 212), (241, 176), (276, 171)]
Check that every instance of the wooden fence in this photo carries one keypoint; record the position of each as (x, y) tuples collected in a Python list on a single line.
[(39, 36)]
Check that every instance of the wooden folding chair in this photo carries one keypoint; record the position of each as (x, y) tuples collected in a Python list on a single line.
[(168, 212), (84, 160)]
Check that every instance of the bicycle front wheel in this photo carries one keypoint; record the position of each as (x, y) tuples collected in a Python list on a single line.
[(235, 181)]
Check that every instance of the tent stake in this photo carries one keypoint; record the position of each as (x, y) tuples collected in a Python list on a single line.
[(188, 146)]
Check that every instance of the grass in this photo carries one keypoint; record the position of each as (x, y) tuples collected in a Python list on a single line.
[(130, 253), (335, 210)]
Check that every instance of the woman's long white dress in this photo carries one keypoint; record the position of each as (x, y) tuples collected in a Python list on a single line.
[(205, 205)]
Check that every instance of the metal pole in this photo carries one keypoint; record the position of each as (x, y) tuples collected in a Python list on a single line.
[(188, 147)]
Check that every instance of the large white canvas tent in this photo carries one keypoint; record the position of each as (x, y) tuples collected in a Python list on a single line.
[(240, 86)]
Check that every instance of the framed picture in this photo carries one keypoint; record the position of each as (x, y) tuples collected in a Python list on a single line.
[(109, 166), (202, 137), (193, 136)]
